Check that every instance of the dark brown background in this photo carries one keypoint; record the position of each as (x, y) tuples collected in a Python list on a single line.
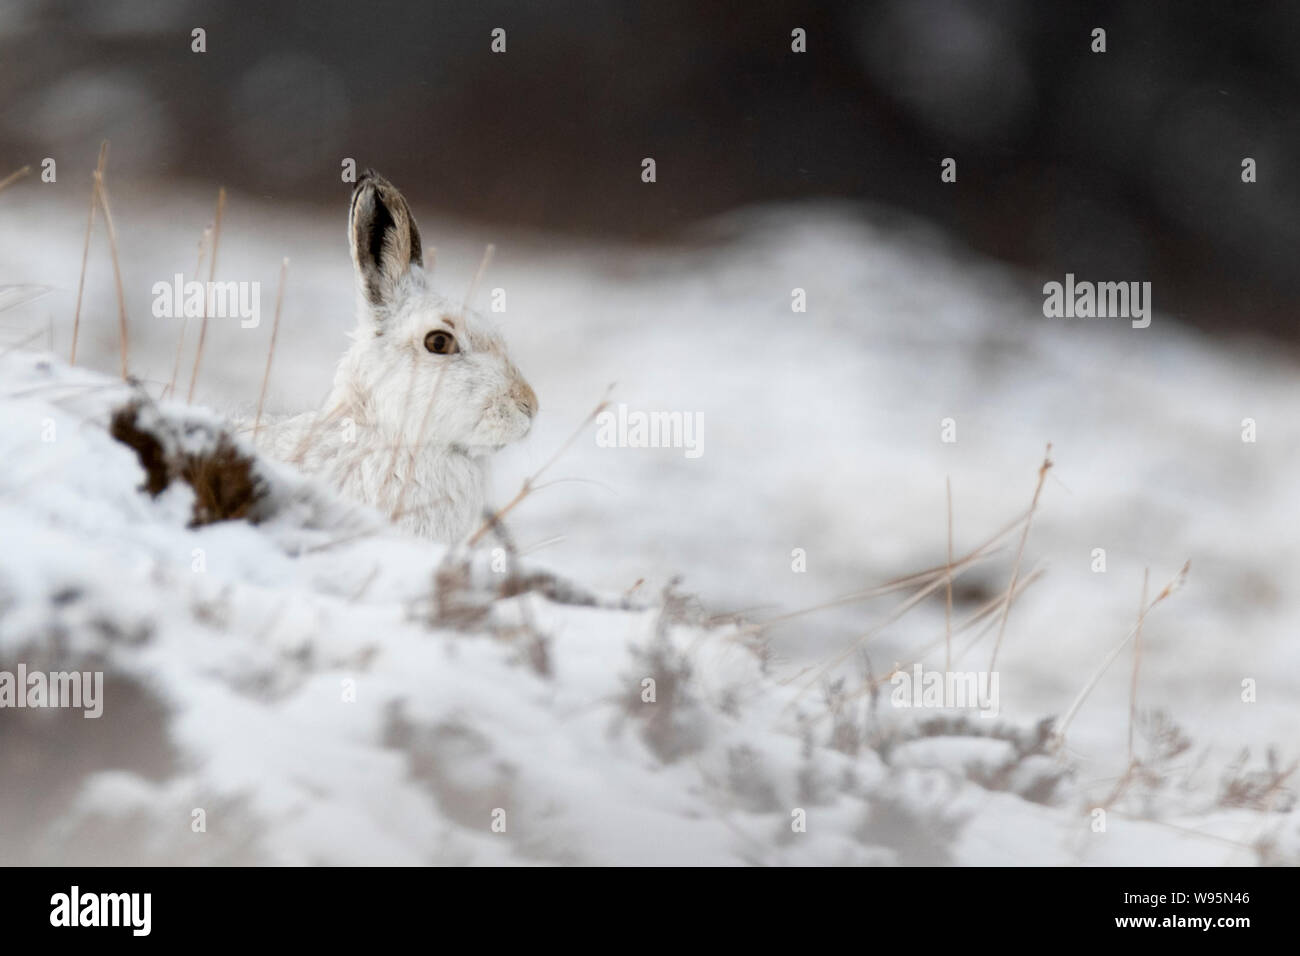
[(1122, 166)]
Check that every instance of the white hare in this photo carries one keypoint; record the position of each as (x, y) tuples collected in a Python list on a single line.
[(423, 396)]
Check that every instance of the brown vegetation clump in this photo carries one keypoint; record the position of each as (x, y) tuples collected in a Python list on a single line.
[(224, 478)]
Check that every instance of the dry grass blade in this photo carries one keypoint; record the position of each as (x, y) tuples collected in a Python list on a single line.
[(391, 473), (1186, 831), (85, 249), (984, 613), (1137, 665), (12, 296), (488, 252), (212, 272), (531, 481), (399, 509), (1175, 583), (14, 177), (101, 190), (23, 343), (270, 352), (1020, 553), (933, 575), (185, 320), (309, 436), (947, 610), (544, 543), (931, 580), (988, 609)]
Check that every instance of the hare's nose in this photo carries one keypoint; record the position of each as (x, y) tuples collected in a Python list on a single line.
[(525, 398)]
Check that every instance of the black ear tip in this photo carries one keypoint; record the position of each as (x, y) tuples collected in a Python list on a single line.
[(369, 178)]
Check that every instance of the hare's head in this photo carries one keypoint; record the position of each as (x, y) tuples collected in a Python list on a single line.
[(424, 369)]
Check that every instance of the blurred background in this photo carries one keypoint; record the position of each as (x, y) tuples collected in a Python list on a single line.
[(776, 171), (1122, 165)]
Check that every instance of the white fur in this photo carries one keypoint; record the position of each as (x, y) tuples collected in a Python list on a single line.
[(405, 430)]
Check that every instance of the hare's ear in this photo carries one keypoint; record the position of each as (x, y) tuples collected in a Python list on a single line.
[(383, 236)]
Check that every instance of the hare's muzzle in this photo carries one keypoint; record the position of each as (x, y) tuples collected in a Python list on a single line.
[(525, 398)]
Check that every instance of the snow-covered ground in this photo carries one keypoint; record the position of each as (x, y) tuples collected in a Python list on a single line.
[(821, 432)]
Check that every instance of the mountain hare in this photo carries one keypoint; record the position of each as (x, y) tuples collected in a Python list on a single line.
[(423, 396)]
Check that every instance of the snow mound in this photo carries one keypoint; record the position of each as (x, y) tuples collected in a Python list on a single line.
[(289, 680)]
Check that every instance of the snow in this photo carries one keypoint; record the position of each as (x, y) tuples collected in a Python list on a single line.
[(227, 647)]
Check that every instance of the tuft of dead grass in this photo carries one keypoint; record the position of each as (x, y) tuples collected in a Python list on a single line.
[(224, 479), (1263, 789)]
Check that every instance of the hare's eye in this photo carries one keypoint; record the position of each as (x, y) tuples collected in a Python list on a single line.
[(441, 343)]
